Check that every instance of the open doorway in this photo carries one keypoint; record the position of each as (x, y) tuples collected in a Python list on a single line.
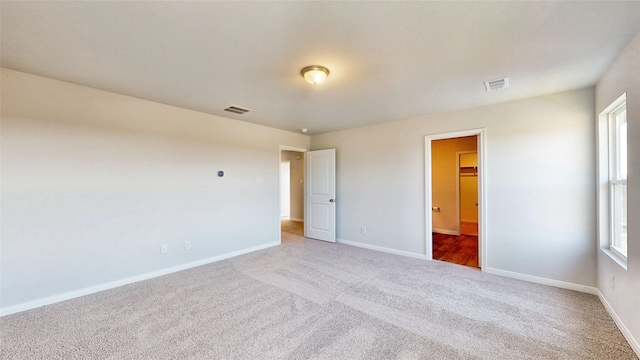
[(454, 198), (453, 167), (292, 169)]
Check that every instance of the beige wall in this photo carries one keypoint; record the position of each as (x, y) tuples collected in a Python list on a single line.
[(624, 76), (296, 178), (445, 193), (540, 218), (93, 183)]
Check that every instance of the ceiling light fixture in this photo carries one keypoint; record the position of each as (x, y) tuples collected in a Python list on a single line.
[(315, 74)]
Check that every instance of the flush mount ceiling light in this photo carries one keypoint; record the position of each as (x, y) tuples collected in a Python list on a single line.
[(315, 74)]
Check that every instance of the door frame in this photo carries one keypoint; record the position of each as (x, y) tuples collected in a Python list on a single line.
[(458, 195), (287, 148), (283, 194), (482, 191)]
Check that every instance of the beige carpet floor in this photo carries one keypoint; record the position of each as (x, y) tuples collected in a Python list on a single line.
[(308, 299)]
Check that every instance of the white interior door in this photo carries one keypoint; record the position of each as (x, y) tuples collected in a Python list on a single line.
[(320, 206)]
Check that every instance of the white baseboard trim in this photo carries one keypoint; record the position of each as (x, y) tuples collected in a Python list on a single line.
[(446, 232), (117, 283), (382, 249), (296, 220), (635, 345), (544, 281)]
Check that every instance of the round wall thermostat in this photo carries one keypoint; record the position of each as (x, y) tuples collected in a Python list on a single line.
[(220, 173)]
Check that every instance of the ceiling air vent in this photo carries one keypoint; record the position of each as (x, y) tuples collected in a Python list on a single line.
[(236, 110), (497, 84)]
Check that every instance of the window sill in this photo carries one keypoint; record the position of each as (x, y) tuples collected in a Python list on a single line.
[(615, 257)]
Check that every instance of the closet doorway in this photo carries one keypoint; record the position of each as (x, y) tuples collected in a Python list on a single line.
[(454, 197), (468, 192)]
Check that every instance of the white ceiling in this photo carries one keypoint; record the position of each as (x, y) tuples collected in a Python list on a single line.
[(388, 60)]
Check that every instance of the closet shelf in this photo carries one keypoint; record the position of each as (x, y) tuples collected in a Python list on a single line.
[(468, 171)]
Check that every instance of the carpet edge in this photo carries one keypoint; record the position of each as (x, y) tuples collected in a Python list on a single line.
[(4, 311), (635, 346), (382, 249), (544, 281)]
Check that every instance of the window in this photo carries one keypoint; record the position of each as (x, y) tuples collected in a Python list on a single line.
[(618, 179), (612, 180)]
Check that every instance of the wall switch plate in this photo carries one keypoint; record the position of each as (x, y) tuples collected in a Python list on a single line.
[(187, 245), (363, 230), (163, 249)]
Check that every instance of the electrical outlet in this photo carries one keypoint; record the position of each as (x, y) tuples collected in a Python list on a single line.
[(363, 230), (163, 249), (187, 245)]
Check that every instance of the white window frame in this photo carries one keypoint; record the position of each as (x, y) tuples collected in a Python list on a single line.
[(616, 178), (609, 178)]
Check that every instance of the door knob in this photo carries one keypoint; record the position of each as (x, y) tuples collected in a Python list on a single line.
[(331, 200)]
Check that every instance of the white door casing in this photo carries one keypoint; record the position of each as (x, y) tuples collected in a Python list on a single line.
[(320, 206), (285, 190)]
